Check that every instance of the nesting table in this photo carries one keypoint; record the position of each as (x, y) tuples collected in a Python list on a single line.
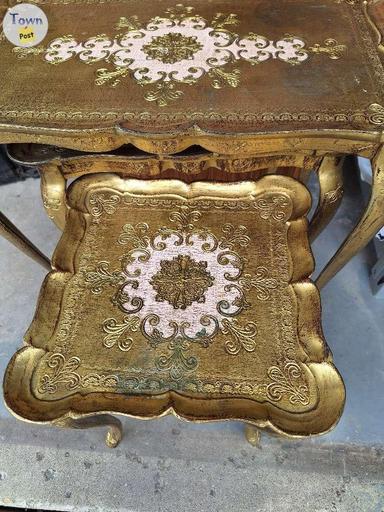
[(182, 280)]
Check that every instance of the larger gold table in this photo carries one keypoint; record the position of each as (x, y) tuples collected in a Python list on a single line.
[(181, 283)]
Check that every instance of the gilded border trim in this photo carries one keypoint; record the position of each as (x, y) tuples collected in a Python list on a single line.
[(357, 118), (372, 116), (68, 2)]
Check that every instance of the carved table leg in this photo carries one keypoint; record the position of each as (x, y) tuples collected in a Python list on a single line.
[(369, 224), (10, 232), (115, 431), (252, 435), (330, 176), (53, 187)]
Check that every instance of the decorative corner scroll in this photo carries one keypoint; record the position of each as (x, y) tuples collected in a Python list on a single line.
[(348, 2), (376, 114)]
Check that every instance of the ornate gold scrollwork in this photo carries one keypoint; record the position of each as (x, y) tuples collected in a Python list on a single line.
[(181, 281), (330, 47), (180, 48)]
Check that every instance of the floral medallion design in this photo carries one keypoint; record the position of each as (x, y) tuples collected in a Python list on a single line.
[(181, 285), (172, 48), (183, 292), (179, 48), (182, 281)]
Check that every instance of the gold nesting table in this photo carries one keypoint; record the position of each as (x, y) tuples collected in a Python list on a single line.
[(181, 283)]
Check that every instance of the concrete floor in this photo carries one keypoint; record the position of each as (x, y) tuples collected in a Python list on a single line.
[(169, 465)]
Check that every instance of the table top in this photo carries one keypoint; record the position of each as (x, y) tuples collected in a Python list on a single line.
[(157, 305), (221, 67)]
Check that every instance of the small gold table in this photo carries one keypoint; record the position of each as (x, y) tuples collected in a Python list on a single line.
[(181, 283)]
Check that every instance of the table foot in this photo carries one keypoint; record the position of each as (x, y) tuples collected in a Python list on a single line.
[(114, 434), (252, 435), (115, 430)]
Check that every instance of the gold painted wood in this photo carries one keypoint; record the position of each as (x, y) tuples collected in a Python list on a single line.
[(115, 428), (130, 162), (325, 76), (56, 165), (185, 299), (315, 93), (53, 185), (11, 233), (252, 435), (330, 175), (370, 223), (194, 166)]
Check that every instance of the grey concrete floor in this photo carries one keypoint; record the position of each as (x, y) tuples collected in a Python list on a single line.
[(169, 465)]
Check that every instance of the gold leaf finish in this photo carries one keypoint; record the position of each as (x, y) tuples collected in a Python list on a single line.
[(179, 307), (163, 93), (101, 276), (288, 380), (376, 113), (220, 78), (64, 376), (115, 331), (172, 47), (179, 48), (182, 281), (223, 317), (331, 48), (246, 83), (240, 337)]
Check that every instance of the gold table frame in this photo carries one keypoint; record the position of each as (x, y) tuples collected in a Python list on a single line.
[(281, 144)]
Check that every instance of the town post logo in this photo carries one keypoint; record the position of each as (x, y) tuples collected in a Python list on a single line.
[(26, 34), (25, 25)]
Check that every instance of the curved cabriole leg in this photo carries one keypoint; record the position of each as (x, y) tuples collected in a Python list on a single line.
[(115, 431), (369, 224), (252, 435), (53, 193), (330, 176), (10, 232)]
